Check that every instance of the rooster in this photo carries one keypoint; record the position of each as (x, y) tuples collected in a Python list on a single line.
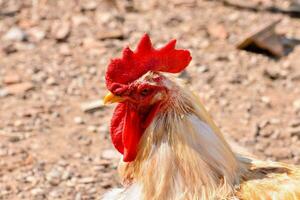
[(172, 149)]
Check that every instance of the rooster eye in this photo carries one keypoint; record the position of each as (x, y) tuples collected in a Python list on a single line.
[(145, 92)]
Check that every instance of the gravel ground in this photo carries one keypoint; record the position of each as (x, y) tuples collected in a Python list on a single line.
[(53, 56)]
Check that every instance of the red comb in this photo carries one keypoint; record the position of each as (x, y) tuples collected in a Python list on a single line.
[(133, 65)]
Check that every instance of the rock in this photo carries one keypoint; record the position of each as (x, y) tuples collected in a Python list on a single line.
[(3, 93), (37, 191), (15, 34), (88, 6), (217, 31), (87, 180), (92, 106), (114, 34), (78, 196), (105, 185), (65, 50), (295, 123), (3, 152), (104, 129), (19, 88), (92, 129), (78, 20), (66, 175), (110, 154), (295, 132), (274, 74), (14, 139), (54, 177), (36, 34), (11, 79), (78, 120), (55, 193), (51, 81), (296, 105), (60, 30)]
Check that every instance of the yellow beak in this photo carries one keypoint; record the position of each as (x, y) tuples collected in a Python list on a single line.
[(111, 98)]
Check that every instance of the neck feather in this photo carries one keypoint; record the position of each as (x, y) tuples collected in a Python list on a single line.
[(183, 155)]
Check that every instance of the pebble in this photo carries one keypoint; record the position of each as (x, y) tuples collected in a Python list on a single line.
[(19, 88), (296, 105), (110, 154), (103, 129), (90, 5), (54, 177), (92, 106), (36, 34), (78, 120), (51, 81), (61, 30), (37, 191), (55, 193), (92, 129), (15, 34), (78, 196), (87, 180), (11, 79)]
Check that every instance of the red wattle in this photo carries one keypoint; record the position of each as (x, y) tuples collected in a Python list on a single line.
[(127, 128), (132, 133)]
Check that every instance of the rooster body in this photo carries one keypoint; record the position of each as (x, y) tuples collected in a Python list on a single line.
[(181, 154)]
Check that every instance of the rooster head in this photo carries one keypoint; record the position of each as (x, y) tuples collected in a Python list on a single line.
[(135, 82)]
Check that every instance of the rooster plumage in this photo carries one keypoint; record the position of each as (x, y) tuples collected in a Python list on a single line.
[(172, 150)]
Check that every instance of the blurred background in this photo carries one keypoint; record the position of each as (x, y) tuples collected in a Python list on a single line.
[(54, 129)]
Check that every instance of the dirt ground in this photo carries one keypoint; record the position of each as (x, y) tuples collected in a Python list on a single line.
[(53, 56)]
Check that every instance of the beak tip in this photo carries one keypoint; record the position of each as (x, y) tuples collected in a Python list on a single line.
[(111, 98)]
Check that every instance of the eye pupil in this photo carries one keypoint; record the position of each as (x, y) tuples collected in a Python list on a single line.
[(144, 92)]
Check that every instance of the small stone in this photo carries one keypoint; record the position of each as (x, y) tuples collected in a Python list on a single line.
[(87, 180), (90, 5), (15, 34), (103, 129), (51, 81), (63, 163), (295, 132), (66, 175), (78, 196), (266, 100), (295, 123), (3, 152), (54, 177), (14, 139), (92, 105), (78, 120), (19, 88), (106, 185), (65, 50), (110, 154), (37, 191), (3, 93), (217, 31), (60, 30), (36, 34), (114, 34), (92, 129), (11, 79), (296, 105), (18, 123), (55, 194)]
